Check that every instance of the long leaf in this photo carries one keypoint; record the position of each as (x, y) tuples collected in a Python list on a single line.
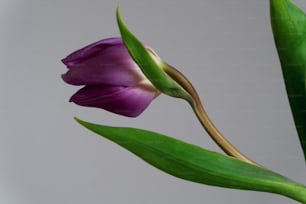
[(289, 29), (195, 164)]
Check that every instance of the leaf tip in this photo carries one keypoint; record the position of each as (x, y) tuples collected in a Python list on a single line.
[(79, 121), (118, 17), (85, 124), (118, 8)]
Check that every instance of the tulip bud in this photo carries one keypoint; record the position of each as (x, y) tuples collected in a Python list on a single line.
[(112, 80)]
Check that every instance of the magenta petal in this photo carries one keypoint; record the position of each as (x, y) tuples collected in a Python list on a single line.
[(127, 101), (89, 50), (112, 65)]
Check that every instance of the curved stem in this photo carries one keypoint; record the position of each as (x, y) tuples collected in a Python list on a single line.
[(202, 116)]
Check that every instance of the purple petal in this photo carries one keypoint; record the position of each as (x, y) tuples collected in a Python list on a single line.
[(127, 101), (111, 65), (89, 50)]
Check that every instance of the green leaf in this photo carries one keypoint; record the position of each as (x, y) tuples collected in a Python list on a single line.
[(289, 29), (150, 64), (195, 164)]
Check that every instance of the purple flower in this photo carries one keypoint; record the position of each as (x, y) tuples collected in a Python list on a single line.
[(112, 80)]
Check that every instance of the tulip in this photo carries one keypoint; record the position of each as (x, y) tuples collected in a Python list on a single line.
[(113, 81)]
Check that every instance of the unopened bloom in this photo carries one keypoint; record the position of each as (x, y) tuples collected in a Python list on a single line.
[(112, 80)]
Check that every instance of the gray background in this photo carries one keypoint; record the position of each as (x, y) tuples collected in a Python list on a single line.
[(225, 47)]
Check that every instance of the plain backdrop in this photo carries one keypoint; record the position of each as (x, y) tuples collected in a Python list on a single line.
[(225, 48)]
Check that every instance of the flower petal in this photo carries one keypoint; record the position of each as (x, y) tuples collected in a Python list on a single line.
[(109, 64), (127, 101), (90, 50)]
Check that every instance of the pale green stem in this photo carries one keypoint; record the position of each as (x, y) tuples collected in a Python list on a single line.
[(202, 116)]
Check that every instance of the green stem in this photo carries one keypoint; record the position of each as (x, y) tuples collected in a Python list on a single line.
[(202, 116)]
